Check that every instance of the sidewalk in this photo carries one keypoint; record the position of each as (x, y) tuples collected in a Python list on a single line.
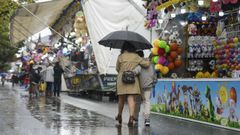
[(160, 125), (103, 108)]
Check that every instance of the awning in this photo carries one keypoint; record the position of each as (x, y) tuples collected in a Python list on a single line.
[(24, 24)]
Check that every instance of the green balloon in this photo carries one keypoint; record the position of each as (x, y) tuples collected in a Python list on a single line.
[(162, 44), (155, 59), (167, 49)]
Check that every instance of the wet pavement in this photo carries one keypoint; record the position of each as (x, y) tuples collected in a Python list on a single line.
[(21, 115)]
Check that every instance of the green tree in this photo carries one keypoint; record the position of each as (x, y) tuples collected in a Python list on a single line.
[(7, 50)]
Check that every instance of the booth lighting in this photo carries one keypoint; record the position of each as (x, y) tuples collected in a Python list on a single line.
[(239, 11), (173, 15), (160, 21), (215, 0), (204, 18), (200, 2), (221, 13), (183, 23), (183, 10)]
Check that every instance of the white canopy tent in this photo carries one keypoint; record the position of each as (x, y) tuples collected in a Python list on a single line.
[(32, 18), (105, 16)]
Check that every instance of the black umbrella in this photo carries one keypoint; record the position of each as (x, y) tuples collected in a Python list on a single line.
[(116, 39)]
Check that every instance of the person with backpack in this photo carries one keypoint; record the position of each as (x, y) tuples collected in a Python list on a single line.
[(147, 79)]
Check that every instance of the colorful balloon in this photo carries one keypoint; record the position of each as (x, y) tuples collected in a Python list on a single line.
[(171, 65), (162, 44), (165, 70), (161, 60), (161, 51), (173, 47), (155, 59), (156, 42), (154, 51), (167, 49), (158, 67)]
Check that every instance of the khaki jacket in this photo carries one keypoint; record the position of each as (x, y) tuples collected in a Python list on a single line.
[(128, 61)]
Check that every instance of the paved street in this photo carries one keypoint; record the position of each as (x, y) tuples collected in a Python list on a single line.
[(20, 115)]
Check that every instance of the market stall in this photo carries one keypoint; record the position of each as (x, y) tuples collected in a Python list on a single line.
[(197, 60)]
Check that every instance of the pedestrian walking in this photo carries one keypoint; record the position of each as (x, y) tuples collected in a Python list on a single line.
[(48, 78), (34, 77), (57, 79), (147, 79), (127, 61), (3, 78), (14, 79)]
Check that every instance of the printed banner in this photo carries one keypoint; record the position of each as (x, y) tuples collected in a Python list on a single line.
[(84, 81), (215, 102)]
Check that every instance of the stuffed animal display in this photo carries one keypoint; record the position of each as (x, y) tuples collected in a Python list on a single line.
[(200, 47)]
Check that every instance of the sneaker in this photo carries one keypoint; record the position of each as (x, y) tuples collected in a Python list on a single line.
[(147, 122)]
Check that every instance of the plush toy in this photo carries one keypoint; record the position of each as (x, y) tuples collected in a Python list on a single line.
[(212, 64), (165, 35), (215, 6), (192, 29), (199, 65), (199, 75)]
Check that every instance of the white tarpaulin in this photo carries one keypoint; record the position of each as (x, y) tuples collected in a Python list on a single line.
[(105, 16), (24, 24)]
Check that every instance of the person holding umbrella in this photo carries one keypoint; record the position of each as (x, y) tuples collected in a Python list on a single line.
[(128, 59)]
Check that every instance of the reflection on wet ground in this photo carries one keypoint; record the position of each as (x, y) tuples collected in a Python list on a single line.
[(66, 119)]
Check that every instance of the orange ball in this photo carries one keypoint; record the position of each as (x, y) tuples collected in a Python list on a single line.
[(170, 59), (178, 63), (171, 65), (173, 54), (173, 47), (179, 50)]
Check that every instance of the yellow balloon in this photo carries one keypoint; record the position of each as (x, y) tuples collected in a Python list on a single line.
[(165, 70), (154, 51), (158, 67), (199, 75), (156, 43), (214, 75), (207, 75)]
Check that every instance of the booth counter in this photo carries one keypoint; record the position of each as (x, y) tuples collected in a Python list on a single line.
[(209, 101)]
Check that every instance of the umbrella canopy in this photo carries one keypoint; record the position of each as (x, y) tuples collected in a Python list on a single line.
[(116, 39)]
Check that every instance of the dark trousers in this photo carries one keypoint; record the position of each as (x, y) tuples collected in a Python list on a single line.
[(49, 89), (57, 87)]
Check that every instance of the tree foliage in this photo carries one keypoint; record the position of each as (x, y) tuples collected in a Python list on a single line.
[(7, 51)]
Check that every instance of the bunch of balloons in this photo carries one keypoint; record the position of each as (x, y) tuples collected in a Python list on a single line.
[(166, 57), (227, 54)]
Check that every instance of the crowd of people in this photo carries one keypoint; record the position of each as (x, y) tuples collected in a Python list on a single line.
[(145, 78), (38, 81), (45, 81)]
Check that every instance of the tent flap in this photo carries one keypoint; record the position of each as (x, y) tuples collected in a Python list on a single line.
[(24, 24)]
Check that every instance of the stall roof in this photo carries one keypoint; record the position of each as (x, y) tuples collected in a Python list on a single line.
[(24, 24)]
